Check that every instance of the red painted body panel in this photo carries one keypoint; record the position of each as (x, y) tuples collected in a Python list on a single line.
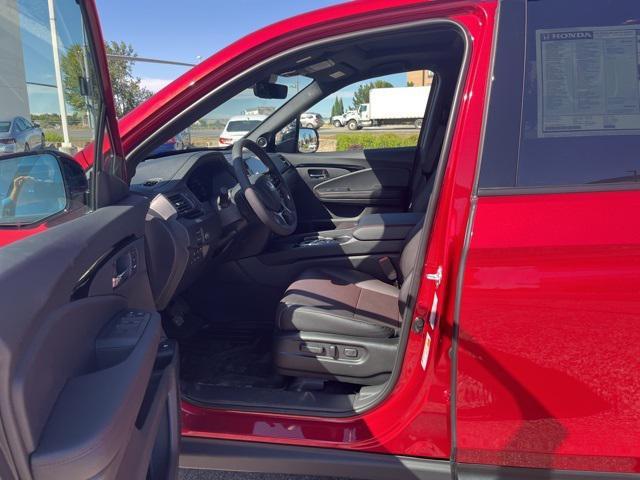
[(415, 418), (141, 122), (549, 344)]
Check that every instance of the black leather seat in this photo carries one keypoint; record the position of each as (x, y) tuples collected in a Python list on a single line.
[(340, 301), (343, 324)]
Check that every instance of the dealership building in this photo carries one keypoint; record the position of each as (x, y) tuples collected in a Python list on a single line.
[(14, 99)]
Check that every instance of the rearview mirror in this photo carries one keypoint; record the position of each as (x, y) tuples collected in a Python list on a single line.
[(270, 90), (37, 185), (308, 140)]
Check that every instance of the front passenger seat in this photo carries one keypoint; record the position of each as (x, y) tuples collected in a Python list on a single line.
[(341, 324)]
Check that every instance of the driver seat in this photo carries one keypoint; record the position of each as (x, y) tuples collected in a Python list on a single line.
[(341, 324)]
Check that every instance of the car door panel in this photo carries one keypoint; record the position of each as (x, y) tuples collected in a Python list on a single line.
[(383, 186), (90, 377), (337, 188)]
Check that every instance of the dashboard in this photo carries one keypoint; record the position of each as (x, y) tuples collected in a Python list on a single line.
[(197, 209)]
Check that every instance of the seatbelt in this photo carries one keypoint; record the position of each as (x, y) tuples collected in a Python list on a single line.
[(389, 269)]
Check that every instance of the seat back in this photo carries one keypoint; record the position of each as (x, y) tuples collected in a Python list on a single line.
[(425, 173), (408, 260)]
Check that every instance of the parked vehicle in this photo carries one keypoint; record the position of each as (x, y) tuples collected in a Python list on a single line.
[(463, 309), (237, 127), (342, 120), (397, 106), (181, 141), (20, 135), (311, 120)]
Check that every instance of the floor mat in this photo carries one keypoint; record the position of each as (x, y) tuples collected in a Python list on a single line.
[(229, 358)]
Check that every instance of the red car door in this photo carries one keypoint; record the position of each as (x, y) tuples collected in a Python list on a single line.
[(548, 337), (89, 382)]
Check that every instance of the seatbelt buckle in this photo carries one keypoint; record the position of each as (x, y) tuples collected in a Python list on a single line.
[(389, 270)]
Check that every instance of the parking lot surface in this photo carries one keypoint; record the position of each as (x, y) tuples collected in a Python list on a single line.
[(188, 474)]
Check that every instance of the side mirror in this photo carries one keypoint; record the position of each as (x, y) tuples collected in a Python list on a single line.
[(270, 90), (37, 185), (308, 140), (36, 124)]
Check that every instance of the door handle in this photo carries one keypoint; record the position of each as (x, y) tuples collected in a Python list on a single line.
[(125, 266), (318, 173)]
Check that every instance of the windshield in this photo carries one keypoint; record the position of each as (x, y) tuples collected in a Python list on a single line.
[(5, 127), (250, 111), (243, 125)]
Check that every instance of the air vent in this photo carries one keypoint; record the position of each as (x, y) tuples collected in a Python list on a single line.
[(184, 206)]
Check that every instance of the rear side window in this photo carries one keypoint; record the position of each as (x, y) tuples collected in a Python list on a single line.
[(565, 102), (242, 125)]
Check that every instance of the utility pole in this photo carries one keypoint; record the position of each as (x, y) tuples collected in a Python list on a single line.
[(58, 72)]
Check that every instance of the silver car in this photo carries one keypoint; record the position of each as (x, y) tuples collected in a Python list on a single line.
[(20, 135), (311, 120)]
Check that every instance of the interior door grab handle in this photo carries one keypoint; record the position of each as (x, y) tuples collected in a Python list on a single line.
[(317, 173), (125, 266)]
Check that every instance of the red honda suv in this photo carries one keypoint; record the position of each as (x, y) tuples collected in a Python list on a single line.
[(458, 302)]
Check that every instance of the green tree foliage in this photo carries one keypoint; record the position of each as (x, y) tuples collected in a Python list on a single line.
[(338, 107), (362, 93), (128, 91), (72, 65)]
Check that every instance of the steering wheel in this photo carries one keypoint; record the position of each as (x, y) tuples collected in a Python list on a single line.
[(269, 196)]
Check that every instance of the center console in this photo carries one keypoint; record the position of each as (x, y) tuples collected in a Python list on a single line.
[(366, 247), (372, 234)]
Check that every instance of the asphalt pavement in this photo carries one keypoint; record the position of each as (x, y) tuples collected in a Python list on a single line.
[(188, 474)]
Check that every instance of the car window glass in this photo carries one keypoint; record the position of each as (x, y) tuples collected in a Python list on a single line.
[(381, 112), (580, 107), (54, 84), (233, 119)]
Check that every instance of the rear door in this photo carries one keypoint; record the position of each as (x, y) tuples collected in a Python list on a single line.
[(89, 381)]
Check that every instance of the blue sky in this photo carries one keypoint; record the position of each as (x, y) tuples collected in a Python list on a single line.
[(184, 30), (180, 31)]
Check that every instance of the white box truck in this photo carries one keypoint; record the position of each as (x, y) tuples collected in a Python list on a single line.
[(390, 106)]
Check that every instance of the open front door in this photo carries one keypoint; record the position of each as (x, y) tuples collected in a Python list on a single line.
[(89, 383)]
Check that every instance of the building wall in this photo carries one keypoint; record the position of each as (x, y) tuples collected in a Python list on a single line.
[(13, 88), (420, 78)]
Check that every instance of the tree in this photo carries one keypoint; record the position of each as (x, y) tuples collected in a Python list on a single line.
[(338, 107), (72, 65), (362, 93), (128, 91)]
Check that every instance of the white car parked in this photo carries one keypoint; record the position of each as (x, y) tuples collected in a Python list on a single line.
[(237, 127), (311, 120)]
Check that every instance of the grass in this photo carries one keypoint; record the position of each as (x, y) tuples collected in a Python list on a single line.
[(361, 141), (52, 137)]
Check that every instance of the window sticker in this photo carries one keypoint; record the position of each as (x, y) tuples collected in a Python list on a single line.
[(588, 81)]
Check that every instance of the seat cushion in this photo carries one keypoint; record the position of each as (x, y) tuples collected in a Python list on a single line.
[(341, 302)]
